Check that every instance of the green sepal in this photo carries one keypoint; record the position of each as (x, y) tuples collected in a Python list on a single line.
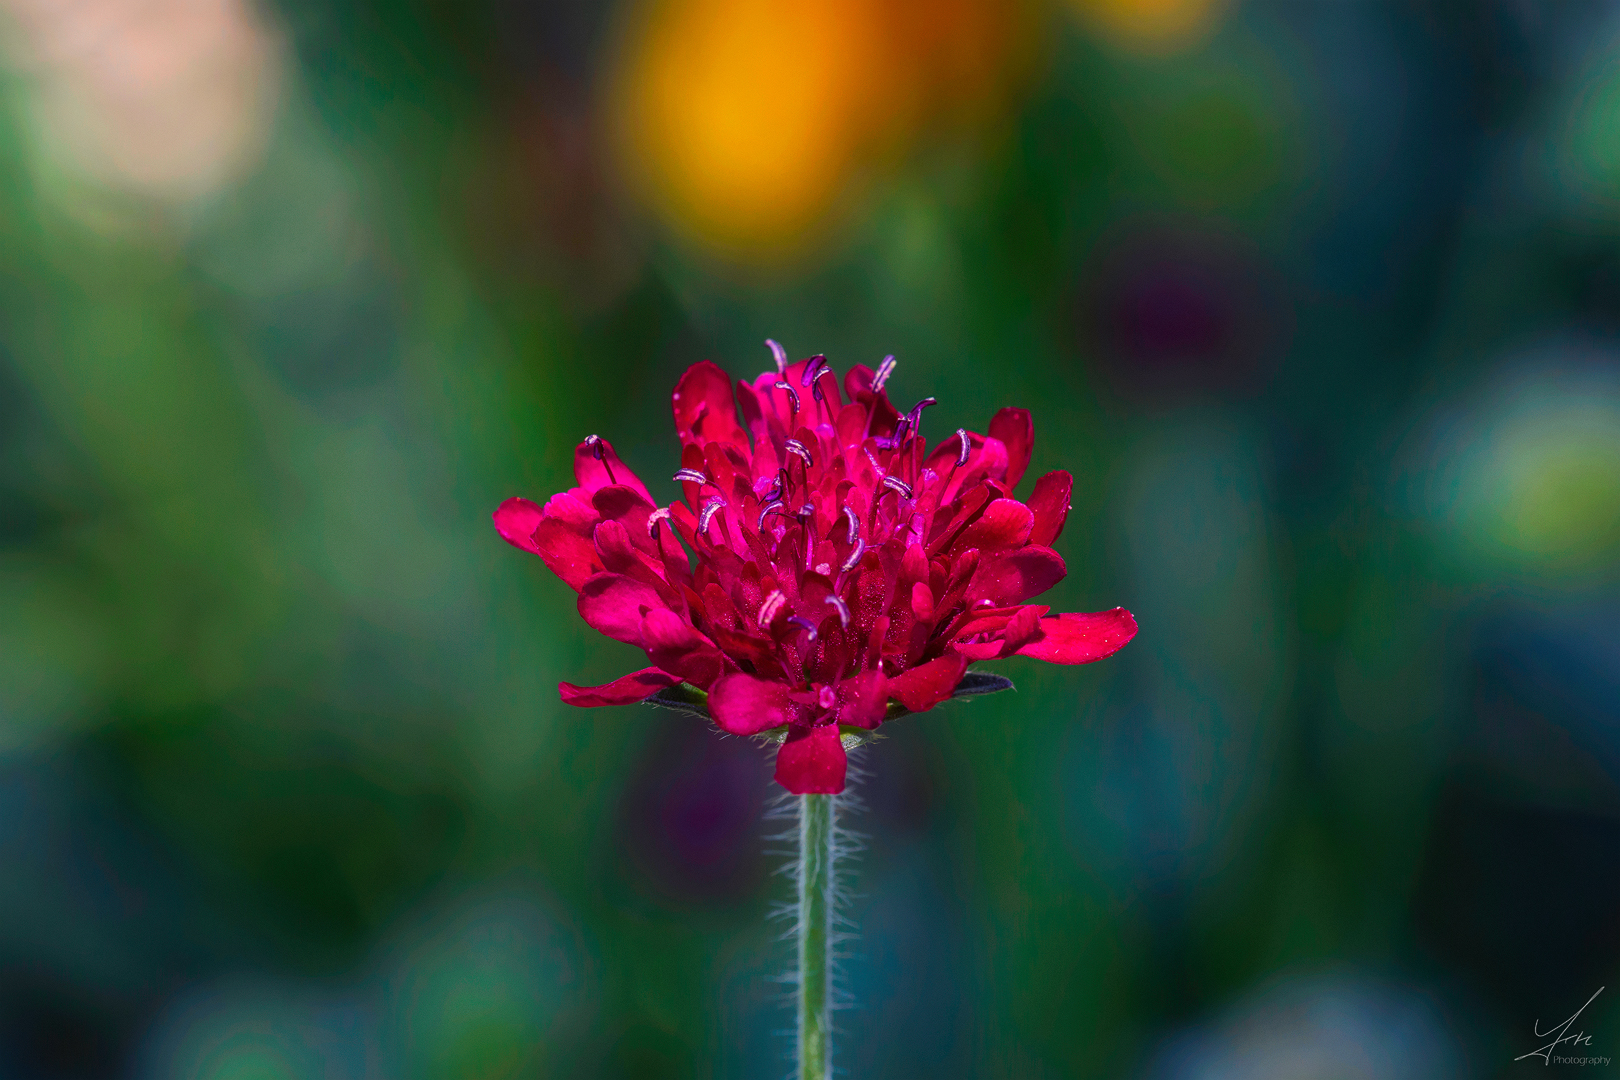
[(850, 735), (682, 697), (975, 683), (686, 698)]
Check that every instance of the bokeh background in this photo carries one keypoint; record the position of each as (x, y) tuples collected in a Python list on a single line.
[(1320, 301)]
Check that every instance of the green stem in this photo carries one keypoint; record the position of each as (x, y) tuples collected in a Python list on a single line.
[(817, 873)]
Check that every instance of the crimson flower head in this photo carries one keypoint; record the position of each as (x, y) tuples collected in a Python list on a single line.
[(840, 573)]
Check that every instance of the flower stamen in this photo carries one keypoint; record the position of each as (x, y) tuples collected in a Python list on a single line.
[(814, 369), (884, 370), (793, 396), (599, 452), (711, 508)]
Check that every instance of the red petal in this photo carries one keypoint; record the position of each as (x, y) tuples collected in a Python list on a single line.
[(577, 514), (675, 646), (615, 605), (567, 554), (1014, 576), (627, 690), (744, 705), (1050, 504), (613, 546), (1023, 626), (595, 475), (926, 685), (1005, 523), (922, 601), (975, 651), (1017, 431), (862, 700), (627, 507), (1073, 638), (705, 410), (858, 380), (812, 761), (516, 519)]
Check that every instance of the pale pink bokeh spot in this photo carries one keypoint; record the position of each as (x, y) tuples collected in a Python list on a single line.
[(166, 99)]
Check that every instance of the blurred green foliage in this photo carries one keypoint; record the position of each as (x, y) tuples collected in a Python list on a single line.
[(1319, 308)]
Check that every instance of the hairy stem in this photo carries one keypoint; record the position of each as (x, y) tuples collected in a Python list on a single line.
[(817, 872)]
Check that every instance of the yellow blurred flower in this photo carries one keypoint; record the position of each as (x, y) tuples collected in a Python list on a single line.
[(745, 121)]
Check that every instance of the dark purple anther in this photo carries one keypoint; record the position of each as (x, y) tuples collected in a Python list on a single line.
[(779, 487), (901, 427), (807, 511), (894, 483), (854, 523), (660, 514), (765, 513), (914, 417), (843, 610), (692, 475), (967, 446), (796, 448), (854, 557), (813, 369), (599, 452), (804, 624)]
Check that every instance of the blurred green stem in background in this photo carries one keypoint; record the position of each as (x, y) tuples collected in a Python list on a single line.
[(817, 873)]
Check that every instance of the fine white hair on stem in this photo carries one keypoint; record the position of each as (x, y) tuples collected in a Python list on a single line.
[(830, 943)]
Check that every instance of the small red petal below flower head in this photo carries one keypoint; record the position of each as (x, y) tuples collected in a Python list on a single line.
[(812, 761), (516, 519), (627, 690), (1075, 638), (744, 705)]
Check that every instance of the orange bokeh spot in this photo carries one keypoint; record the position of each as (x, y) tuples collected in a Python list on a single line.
[(744, 121)]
